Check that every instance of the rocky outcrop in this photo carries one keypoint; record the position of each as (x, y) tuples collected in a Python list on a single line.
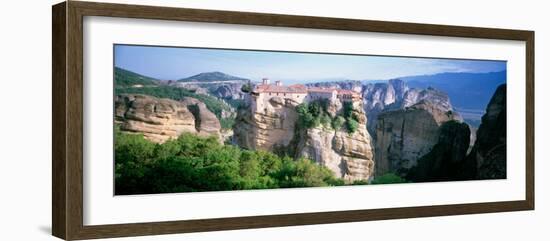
[(488, 155), (396, 95), (272, 127), (446, 161), (344, 84), (405, 135), (412, 96), (379, 97), (229, 91), (348, 155), (162, 119), (435, 145), (206, 122)]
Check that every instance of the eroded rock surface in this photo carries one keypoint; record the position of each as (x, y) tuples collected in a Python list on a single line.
[(489, 152), (348, 155), (162, 119), (405, 135)]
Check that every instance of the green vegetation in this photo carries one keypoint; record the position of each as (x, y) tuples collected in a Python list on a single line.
[(246, 88), (234, 103), (388, 178), (192, 164), (128, 78), (211, 76), (314, 114), (352, 120), (212, 103)]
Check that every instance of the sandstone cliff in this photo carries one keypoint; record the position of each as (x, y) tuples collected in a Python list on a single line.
[(162, 119), (488, 155), (271, 128), (435, 146), (230, 91), (348, 155), (405, 135), (380, 97), (446, 161)]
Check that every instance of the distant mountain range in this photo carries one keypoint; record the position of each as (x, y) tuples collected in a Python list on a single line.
[(470, 91), (466, 90), (211, 76), (124, 78)]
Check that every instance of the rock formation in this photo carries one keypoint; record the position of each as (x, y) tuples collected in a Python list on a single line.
[(379, 97), (449, 160), (489, 152), (446, 161), (344, 84), (162, 119), (405, 135), (231, 91), (268, 129), (348, 155)]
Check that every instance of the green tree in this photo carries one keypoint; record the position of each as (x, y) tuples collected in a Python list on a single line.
[(338, 122), (352, 125), (191, 163), (246, 88)]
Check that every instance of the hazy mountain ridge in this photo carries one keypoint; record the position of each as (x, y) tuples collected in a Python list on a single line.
[(466, 90), (128, 82), (125, 77), (211, 76)]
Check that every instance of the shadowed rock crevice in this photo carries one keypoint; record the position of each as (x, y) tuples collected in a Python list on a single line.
[(446, 161), (489, 152)]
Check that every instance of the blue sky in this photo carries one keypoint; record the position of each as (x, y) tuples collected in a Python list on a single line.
[(176, 63)]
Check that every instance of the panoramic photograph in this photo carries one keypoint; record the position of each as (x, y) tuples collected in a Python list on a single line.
[(203, 119)]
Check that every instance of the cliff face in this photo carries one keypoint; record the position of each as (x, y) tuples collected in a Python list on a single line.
[(380, 97), (272, 127), (344, 84), (435, 144), (405, 135), (348, 155), (446, 160), (489, 152), (162, 119), (229, 91)]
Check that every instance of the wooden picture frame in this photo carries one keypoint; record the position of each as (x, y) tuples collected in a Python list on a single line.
[(67, 124)]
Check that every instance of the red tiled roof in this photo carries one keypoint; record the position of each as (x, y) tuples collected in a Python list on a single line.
[(281, 89), (299, 88), (347, 92), (320, 90)]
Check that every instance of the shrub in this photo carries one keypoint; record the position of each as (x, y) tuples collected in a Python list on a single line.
[(352, 125), (388, 178), (315, 113), (338, 122), (246, 88), (191, 163)]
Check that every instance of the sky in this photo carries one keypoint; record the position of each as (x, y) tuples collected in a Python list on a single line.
[(172, 63)]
